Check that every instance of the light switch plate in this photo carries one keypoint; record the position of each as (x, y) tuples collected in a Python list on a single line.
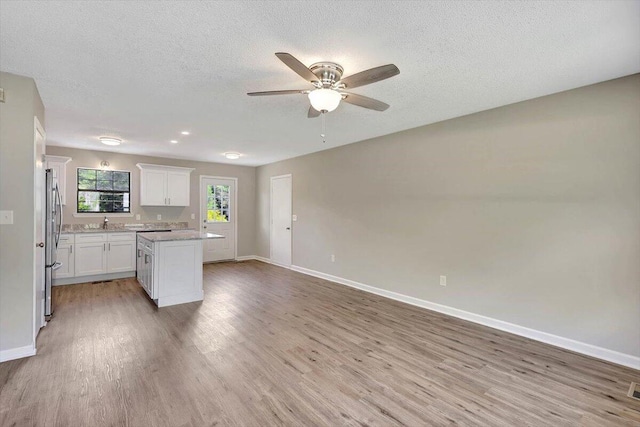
[(193, 216), (294, 217), (1, 95), (159, 217), (6, 217), (137, 217)]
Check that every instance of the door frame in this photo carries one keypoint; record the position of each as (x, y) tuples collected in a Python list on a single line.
[(38, 299), (290, 176), (234, 212)]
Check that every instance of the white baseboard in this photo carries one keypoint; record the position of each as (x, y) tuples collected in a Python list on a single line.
[(17, 353), (555, 340), (262, 259)]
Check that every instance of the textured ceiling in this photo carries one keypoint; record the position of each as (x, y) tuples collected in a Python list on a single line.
[(144, 71)]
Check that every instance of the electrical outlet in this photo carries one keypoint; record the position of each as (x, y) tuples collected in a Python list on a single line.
[(294, 217), (159, 217), (333, 258), (443, 280), (137, 217), (193, 216)]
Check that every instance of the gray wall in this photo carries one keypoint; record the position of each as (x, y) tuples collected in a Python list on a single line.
[(92, 159), (532, 211), (17, 241)]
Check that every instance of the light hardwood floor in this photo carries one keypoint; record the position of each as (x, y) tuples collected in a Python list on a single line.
[(269, 346)]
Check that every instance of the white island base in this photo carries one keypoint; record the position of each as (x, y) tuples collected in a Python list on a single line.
[(169, 266)]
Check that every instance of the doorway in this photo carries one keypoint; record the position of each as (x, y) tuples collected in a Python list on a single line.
[(218, 215), (281, 220)]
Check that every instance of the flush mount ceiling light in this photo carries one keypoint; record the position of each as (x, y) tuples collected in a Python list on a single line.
[(325, 100), (185, 132), (109, 140), (232, 155), (173, 141)]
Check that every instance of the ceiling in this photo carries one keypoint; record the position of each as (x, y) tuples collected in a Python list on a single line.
[(144, 71)]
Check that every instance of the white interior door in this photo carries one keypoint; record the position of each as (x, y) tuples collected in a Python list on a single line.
[(281, 220), (39, 225), (218, 215)]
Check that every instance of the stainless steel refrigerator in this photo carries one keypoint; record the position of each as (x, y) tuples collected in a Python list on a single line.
[(53, 226)]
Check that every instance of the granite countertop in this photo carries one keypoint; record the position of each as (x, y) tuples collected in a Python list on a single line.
[(124, 228), (170, 236)]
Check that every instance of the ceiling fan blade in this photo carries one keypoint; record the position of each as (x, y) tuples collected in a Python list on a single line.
[(313, 113), (278, 92), (363, 101), (297, 66), (369, 76)]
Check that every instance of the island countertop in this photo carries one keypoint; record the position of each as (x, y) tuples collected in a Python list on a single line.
[(170, 236)]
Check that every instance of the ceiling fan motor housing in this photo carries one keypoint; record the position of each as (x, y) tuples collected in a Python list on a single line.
[(327, 72)]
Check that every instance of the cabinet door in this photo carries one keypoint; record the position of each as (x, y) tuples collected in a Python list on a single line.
[(148, 272), (91, 258), (140, 264), (59, 166), (151, 285), (178, 188), (65, 256), (153, 187), (121, 256)]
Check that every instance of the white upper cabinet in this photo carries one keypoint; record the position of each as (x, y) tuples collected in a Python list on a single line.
[(59, 166), (164, 185)]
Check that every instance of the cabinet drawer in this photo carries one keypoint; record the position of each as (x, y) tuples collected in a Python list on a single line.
[(122, 237), (66, 239), (91, 237)]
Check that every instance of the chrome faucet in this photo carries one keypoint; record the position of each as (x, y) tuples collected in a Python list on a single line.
[(105, 223)]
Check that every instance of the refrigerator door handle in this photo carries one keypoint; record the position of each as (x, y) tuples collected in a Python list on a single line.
[(58, 209), (56, 266)]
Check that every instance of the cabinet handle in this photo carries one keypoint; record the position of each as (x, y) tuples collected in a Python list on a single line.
[(146, 259), (139, 253), (109, 247), (70, 249), (104, 247), (169, 200)]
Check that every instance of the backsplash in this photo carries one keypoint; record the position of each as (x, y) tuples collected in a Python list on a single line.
[(145, 226)]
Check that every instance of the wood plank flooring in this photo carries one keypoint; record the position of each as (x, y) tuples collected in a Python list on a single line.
[(269, 346)]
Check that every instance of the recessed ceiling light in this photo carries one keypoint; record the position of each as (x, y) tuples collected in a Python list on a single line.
[(232, 155), (173, 141), (185, 132), (109, 140)]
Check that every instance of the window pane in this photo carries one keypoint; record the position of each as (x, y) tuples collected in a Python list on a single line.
[(105, 185), (86, 184), (87, 174), (105, 175)]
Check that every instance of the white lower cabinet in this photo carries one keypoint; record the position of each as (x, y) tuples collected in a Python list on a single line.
[(171, 271), (95, 254), (144, 267), (91, 258), (121, 250), (65, 256)]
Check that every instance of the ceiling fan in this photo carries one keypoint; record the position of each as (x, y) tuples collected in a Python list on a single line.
[(329, 86)]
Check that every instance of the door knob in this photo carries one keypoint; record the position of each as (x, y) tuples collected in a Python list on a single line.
[(40, 245), (288, 228)]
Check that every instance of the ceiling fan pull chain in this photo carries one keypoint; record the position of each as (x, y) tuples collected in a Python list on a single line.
[(323, 128)]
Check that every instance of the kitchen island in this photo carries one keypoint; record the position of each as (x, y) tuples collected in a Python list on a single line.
[(169, 265)]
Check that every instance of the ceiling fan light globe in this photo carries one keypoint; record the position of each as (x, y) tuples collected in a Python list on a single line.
[(325, 100)]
